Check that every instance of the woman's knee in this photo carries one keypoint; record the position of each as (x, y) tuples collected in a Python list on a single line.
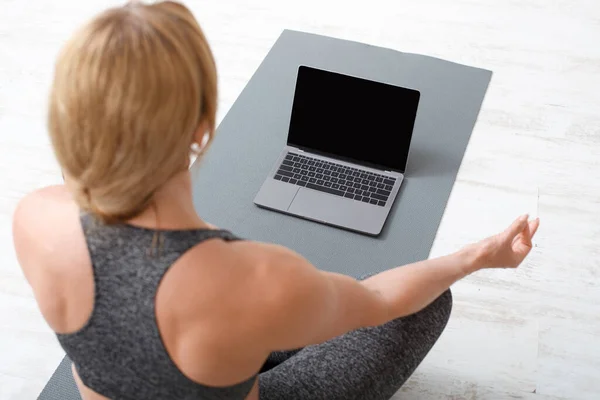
[(435, 316), (441, 308), (413, 335)]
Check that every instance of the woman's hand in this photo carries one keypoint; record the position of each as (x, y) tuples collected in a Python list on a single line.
[(507, 249)]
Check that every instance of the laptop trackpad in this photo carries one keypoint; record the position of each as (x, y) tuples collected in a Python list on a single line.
[(337, 210)]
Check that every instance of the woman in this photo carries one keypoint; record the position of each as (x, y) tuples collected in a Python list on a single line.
[(151, 302)]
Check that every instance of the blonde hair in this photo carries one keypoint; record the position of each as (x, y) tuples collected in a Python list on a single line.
[(130, 91)]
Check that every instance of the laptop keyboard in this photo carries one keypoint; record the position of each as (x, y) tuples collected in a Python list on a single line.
[(336, 179)]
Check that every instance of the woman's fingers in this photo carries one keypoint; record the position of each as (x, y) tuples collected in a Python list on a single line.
[(533, 226), (526, 235), (516, 227), (520, 250), (522, 244)]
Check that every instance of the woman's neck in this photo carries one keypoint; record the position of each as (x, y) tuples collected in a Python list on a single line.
[(172, 207)]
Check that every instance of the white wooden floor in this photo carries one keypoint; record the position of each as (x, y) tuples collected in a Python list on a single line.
[(527, 334)]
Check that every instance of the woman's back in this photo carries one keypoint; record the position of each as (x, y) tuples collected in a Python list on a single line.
[(120, 350), (144, 313)]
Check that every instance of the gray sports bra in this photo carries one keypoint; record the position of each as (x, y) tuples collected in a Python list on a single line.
[(119, 353)]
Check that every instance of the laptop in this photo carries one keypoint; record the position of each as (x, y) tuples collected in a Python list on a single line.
[(347, 149)]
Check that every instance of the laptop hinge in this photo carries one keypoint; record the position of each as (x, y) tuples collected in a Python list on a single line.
[(298, 150)]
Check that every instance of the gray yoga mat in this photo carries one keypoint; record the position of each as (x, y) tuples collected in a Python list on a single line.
[(61, 385), (253, 133)]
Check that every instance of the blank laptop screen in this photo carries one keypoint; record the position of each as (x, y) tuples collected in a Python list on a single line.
[(352, 118)]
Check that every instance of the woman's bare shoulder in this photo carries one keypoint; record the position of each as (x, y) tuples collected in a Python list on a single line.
[(231, 277), (43, 218), (232, 298), (43, 205), (52, 252), (253, 280)]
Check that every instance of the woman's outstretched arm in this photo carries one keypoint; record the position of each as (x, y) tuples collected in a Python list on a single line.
[(313, 306)]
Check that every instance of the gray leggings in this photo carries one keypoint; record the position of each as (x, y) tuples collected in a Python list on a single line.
[(366, 364)]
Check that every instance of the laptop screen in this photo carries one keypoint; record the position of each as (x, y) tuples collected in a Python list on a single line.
[(352, 118)]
